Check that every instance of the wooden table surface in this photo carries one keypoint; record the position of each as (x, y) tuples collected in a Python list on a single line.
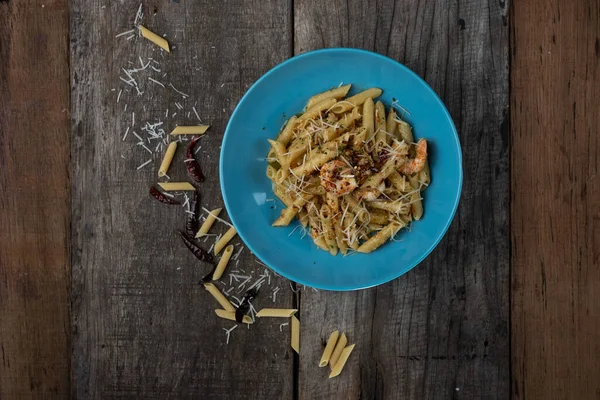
[(99, 300)]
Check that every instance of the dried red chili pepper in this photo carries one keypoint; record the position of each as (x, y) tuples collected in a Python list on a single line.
[(244, 307), (191, 224), (200, 254), (192, 165), (154, 192)]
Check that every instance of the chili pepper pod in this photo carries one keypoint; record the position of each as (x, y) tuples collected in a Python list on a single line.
[(192, 165), (200, 254), (154, 192)]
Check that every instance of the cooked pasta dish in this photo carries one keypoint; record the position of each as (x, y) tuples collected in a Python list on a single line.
[(350, 173)]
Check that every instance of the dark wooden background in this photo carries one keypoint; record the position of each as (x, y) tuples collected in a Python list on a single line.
[(506, 306)]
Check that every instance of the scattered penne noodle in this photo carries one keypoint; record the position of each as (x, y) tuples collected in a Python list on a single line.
[(223, 263), (295, 336), (166, 162), (337, 350), (331, 342), (190, 130), (230, 315), (208, 223), (339, 365), (154, 38), (224, 240), (176, 186), (216, 293), (276, 312)]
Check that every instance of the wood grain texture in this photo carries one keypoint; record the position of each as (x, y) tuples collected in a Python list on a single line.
[(555, 199), (142, 326), (35, 189), (442, 330)]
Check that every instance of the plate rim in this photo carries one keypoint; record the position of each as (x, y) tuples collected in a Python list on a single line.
[(428, 251)]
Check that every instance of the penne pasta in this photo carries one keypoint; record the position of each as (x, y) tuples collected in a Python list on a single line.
[(166, 162), (176, 186), (290, 212), (415, 199), (295, 336), (190, 130), (331, 342), (216, 293), (317, 109), (337, 350), (224, 240), (369, 118), (230, 315), (339, 366), (328, 232), (208, 223), (391, 122), (287, 133), (318, 157), (381, 136), (380, 238), (154, 38), (223, 263), (358, 99), (405, 132), (337, 93), (276, 312)]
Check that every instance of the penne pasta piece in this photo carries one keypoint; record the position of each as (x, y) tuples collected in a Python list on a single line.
[(337, 350), (176, 186), (320, 156), (340, 239), (223, 263), (276, 312), (154, 38), (369, 118), (424, 177), (280, 193), (394, 207), (290, 212), (224, 240), (320, 243), (380, 238), (190, 130), (317, 109), (216, 293), (166, 162), (295, 336), (331, 342), (337, 93), (339, 366), (279, 150), (399, 182), (380, 217), (230, 315), (391, 122), (271, 172), (328, 232), (208, 223), (297, 149), (416, 204), (287, 133), (303, 218), (358, 99), (405, 132), (381, 136)]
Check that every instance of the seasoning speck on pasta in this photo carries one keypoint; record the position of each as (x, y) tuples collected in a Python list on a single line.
[(352, 175)]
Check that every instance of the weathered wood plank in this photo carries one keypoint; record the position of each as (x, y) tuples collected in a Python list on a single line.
[(34, 193), (555, 102), (142, 327), (441, 330)]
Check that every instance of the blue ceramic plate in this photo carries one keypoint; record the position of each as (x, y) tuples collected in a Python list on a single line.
[(282, 92)]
